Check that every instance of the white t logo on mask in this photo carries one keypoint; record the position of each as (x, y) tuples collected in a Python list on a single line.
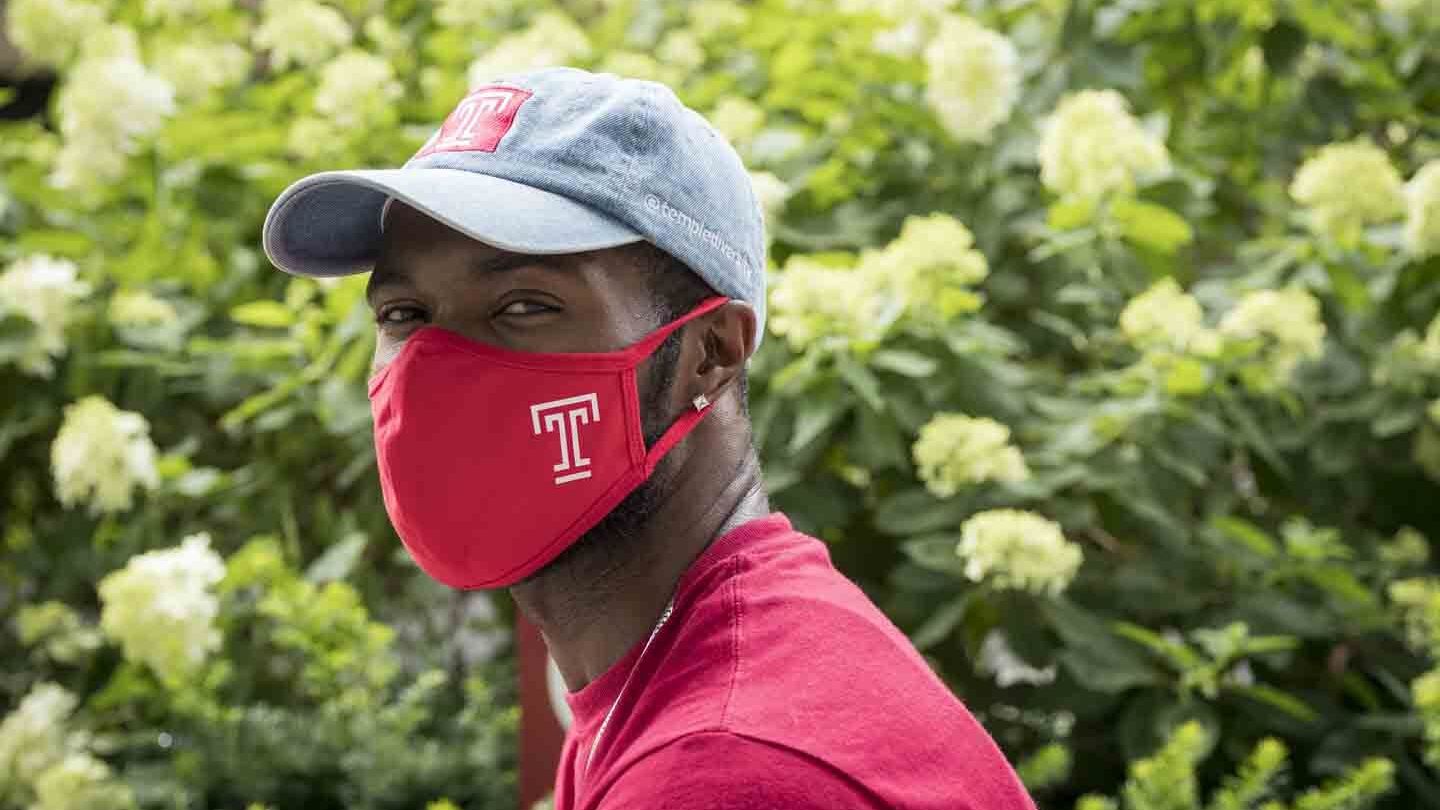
[(565, 416)]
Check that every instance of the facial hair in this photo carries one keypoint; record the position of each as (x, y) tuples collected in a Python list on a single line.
[(610, 542)]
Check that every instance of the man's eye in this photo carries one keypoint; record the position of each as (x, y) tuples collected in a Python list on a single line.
[(393, 316), (524, 308)]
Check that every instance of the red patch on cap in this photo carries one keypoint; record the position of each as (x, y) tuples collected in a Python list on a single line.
[(478, 122)]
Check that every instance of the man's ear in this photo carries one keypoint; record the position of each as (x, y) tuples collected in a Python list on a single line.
[(727, 337)]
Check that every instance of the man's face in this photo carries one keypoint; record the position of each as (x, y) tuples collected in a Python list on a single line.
[(431, 275)]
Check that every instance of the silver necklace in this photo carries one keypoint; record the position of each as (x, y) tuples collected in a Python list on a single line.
[(604, 724)]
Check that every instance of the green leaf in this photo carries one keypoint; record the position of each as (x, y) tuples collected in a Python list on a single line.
[(1068, 214), (862, 382), (935, 553), (942, 622), (905, 363), (916, 511), (1275, 698), (269, 314), (338, 560), (817, 416), (1248, 535), (1151, 226), (1094, 656)]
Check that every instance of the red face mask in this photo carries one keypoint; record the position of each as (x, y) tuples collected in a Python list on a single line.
[(492, 461)]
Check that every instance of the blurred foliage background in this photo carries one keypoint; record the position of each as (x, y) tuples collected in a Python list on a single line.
[(1104, 355)]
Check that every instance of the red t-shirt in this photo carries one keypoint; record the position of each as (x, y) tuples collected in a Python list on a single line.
[(776, 683)]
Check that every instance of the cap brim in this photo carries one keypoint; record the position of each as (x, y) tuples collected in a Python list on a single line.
[(328, 224)]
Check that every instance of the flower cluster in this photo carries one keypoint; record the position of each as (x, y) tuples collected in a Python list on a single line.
[(471, 13), (1347, 186), (140, 308), (172, 10), (1014, 549), (931, 267), (109, 105), (33, 739), (1166, 318), (356, 88), (101, 455), (771, 192), (926, 272), (810, 302), (1422, 220), (1419, 601), (738, 119), (955, 450), (161, 609), (195, 69), (552, 39), (1000, 661), (973, 80), (915, 21), (1092, 146), (301, 32), (1287, 320), (42, 290), (58, 630), (81, 782), (49, 32), (1410, 360)]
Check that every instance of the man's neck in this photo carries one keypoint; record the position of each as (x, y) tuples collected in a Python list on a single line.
[(594, 608)]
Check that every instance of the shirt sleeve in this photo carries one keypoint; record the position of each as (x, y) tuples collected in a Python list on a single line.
[(717, 770)]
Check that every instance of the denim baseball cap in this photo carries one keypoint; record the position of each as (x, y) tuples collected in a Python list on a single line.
[(557, 160)]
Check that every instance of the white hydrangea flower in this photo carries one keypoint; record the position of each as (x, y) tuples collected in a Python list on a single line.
[(954, 451), (772, 192), (42, 290), (471, 13), (810, 301), (108, 106), (1407, 7), (49, 32), (1092, 146), (930, 267), (1289, 319), (1015, 549), (101, 455), (635, 65), (552, 39), (1347, 186), (194, 69), (1422, 221), (81, 782), (711, 17), (1000, 661), (161, 609), (915, 21), (33, 738), (973, 80), (680, 51), (356, 87), (738, 119), (173, 10), (1167, 318), (140, 308), (301, 32)]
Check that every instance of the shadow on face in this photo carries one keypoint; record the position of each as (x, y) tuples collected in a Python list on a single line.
[(429, 274)]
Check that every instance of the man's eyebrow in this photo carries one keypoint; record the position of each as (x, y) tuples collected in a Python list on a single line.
[(382, 276)]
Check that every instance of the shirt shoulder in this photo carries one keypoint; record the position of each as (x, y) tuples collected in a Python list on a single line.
[(721, 770)]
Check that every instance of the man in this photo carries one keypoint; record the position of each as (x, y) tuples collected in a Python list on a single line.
[(568, 282)]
